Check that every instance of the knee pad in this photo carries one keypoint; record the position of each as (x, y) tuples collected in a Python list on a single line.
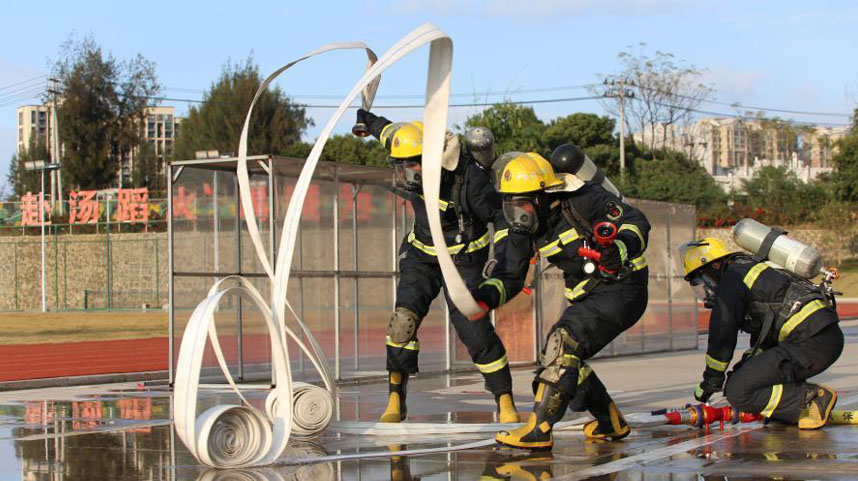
[(560, 360), (403, 325)]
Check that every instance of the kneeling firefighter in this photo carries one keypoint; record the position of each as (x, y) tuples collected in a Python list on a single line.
[(793, 327), (570, 222), (468, 203)]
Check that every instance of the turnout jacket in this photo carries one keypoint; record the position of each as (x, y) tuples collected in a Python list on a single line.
[(570, 220), (748, 293), (466, 195)]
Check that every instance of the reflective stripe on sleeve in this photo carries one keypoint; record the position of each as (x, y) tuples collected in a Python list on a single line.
[(799, 317), (568, 236), (753, 274), (639, 263), (716, 364), (493, 366), (551, 249), (624, 253), (501, 234), (498, 284), (637, 232)]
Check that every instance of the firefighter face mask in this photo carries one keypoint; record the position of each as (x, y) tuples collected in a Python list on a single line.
[(704, 286), (408, 174), (522, 213)]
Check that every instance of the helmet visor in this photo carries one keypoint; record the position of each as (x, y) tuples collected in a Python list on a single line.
[(521, 213)]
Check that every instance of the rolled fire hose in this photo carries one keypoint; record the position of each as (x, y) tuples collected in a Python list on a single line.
[(238, 436)]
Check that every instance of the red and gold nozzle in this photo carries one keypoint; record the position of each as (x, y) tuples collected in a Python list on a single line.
[(605, 232), (360, 129)]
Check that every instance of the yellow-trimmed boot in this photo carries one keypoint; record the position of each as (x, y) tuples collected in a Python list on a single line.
[(396, 410), (609, 426), (820, 401), (549, 406), (506, 409)]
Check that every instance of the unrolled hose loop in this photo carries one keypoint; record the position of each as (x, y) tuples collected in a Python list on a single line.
[(238, 436)]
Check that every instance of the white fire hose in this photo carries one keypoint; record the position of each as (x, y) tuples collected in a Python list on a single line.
[(239, 436)]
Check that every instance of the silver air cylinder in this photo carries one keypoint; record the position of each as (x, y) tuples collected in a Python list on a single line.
[(569, 159), (794, 256)]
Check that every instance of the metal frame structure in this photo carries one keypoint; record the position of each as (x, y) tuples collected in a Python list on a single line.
[(357, 176)]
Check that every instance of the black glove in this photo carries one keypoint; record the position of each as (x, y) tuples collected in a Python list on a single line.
[(366, 117), (487, 294), (611, 257), (702, 392)]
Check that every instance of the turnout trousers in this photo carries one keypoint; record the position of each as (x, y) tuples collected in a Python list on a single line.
[(419, 284), (772, 383), (595, 321)]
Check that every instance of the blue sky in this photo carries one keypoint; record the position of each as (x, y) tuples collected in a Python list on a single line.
[(785, 54)]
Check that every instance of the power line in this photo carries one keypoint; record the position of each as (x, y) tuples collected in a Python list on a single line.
[(739, 104), (23, 82)]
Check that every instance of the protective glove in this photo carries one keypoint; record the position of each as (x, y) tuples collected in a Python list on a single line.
[(486, 296), (366, 117), (613, 257), (702, 392)]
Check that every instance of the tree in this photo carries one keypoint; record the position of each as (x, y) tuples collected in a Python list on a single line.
[(775, 195), (582, 129), (671, 176), (21, 180), (147, 171), (846, 164), (101, 108), (515, 127), (216, 124), (666, 92)]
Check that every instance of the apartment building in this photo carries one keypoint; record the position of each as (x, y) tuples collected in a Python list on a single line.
[(34, 122), (732, 149)]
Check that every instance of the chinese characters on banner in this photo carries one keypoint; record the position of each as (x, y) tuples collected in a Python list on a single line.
[(133, 205), (30, 205), (83, 207)]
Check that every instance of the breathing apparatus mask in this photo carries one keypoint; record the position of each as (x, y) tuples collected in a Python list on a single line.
[(408, 173), (704, 285), (525, 213)]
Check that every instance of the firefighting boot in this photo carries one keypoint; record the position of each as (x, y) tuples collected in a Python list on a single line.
[(819, 402), (400, 468), (549, 407), (608, 425), (396, 410), (506, 409)]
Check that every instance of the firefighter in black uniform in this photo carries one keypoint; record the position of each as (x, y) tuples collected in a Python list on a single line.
[(468, 203), (794, 335), (555, 218)]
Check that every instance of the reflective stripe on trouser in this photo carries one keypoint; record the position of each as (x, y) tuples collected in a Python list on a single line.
[(772, 383), (419, 284)]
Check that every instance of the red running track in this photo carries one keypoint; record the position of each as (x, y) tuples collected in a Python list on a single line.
[(34, 361)]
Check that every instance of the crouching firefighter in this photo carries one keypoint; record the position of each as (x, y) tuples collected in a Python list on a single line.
[(562, 219), (468, 203), (793, 327)]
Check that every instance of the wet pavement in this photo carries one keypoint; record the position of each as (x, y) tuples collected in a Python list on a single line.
[(123, 432)]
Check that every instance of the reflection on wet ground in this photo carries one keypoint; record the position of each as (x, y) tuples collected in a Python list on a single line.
[(120, 432)]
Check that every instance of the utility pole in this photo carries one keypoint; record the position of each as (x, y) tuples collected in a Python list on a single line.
[(618, 90), (56, 175)]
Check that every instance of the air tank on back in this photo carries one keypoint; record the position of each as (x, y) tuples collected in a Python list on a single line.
[(794, 256), (569, 159)]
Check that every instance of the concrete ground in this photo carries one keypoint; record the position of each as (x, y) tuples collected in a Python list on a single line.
[(123, 432)]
